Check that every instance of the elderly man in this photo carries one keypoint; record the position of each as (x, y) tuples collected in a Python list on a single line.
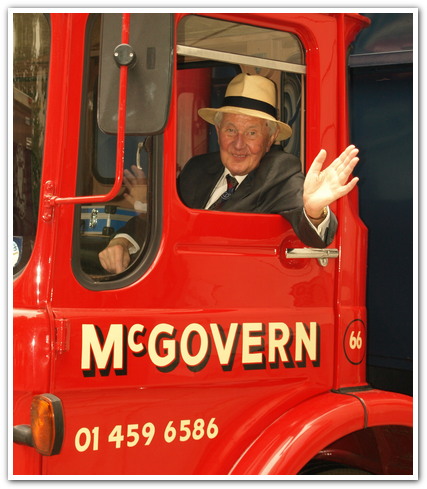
[(249, 174)]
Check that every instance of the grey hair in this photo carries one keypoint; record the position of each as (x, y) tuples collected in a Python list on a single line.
[(272, 126)]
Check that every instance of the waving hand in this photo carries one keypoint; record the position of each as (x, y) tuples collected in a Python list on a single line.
[(322, 187)]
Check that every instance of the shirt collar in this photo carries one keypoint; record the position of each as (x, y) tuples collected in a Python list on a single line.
[(239, 178)]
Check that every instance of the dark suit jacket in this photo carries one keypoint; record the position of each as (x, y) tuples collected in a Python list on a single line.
[(274, 187)]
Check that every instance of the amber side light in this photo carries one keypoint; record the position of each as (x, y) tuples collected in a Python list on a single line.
[(47, 424)]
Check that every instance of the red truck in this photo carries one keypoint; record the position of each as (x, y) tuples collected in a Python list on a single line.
[(178, 366)]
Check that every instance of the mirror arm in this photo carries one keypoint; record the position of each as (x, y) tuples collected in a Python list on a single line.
[(121, 125)]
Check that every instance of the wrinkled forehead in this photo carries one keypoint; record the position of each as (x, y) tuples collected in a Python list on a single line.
[(243, 121)]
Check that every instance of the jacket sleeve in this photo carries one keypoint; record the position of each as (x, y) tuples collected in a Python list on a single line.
[(305, 231), (136, 228), (284, 196)]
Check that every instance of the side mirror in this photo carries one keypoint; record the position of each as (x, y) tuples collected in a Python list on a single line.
[(149, 75)]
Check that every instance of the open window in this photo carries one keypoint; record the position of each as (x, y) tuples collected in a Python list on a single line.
[(210, 53)]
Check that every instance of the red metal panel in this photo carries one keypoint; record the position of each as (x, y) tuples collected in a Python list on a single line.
[(33, 333), (181, 371), (297, 436), (32, 339)]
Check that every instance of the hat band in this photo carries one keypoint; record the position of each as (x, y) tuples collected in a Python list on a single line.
[(250, 103)]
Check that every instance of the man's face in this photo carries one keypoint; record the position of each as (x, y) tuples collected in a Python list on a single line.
[(243, 141)]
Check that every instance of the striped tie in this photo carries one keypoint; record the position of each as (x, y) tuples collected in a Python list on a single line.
[(231, 187)]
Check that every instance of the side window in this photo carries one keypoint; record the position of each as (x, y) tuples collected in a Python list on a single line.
[(132, 212), (210, 53), (31, 51)]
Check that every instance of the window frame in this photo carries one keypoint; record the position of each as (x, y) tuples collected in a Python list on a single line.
[(202, 54), (149, 250)]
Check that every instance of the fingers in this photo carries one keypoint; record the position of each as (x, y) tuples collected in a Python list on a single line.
[(133, 181), (344, 155), (317, 164), (136, 184), (346, 167), (129, 179), (344, 164), (345, 158), (115, 258), (111, 261), (136, 176), (129, 199), (347, 170), (346, 189)]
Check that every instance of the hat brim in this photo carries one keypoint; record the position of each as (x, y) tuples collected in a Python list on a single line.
[(208, 114)]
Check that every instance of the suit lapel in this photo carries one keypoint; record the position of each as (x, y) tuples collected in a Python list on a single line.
[(204, 188), (243, 190)]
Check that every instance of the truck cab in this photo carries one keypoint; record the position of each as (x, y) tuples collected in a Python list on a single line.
[(227, 347)]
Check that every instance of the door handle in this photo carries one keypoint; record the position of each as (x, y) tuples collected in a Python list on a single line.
[(322, 254)]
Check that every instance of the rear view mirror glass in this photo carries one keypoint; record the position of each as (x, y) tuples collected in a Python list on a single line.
[(149, 77)]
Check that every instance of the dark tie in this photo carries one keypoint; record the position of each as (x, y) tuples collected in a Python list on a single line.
[(231, 187)]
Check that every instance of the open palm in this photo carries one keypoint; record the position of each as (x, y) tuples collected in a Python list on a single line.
[(136, 183), (322, 187)]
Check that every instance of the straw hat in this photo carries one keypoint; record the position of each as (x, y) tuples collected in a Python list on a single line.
[(252, 95)]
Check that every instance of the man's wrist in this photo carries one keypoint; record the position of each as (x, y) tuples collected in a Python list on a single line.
[(132, 246), (321, 216), (125, 243)]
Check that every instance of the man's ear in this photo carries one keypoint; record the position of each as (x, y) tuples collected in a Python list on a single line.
[(272, 139), (217, 133)]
